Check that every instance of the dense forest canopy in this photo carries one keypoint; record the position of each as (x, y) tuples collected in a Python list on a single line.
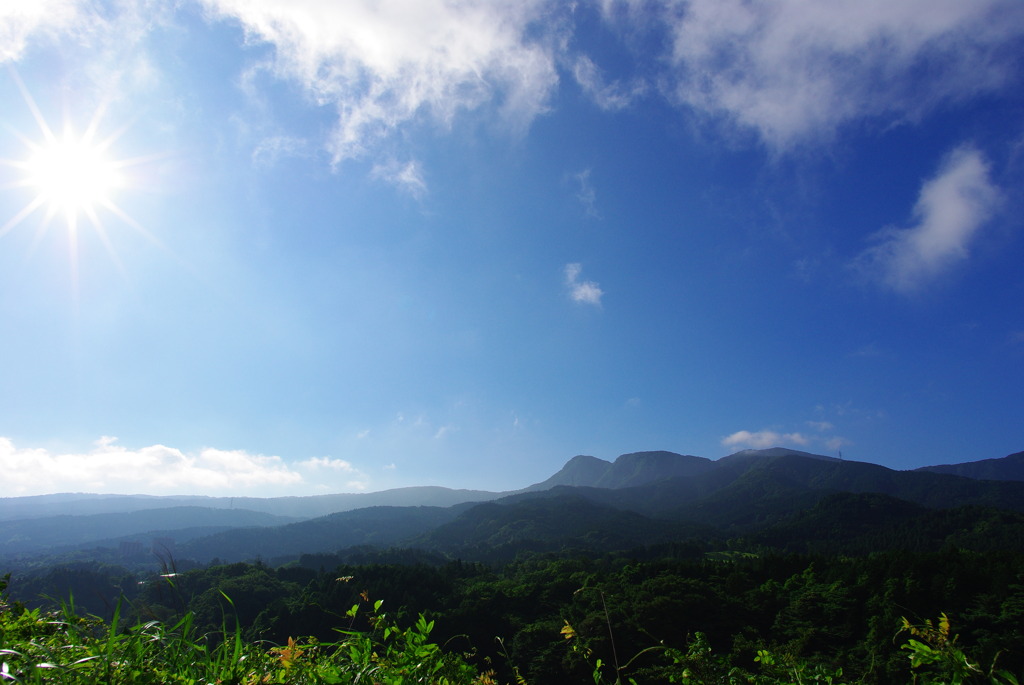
[(806, 562)]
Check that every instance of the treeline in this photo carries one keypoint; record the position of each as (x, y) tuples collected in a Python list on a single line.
[(840, 612)]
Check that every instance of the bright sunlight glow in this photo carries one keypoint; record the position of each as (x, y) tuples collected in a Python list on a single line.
[(72, 175)]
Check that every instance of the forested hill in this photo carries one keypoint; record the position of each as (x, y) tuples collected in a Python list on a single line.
[(642, 498), (24, 536), (762, 552), (771, 494), (734, 488), (13, 508), (1008, 468), (629, 470), (374, 526)]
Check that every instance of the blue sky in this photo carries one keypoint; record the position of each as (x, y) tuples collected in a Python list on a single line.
[(312, 246)]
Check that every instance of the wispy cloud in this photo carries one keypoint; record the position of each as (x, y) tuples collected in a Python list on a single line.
[(585, 292), (21, 20), (315, 463), (101, 44), (161, 470), (769, 438), (763, 439), (315, 467), (381, 65), (789, 70), (835, 443), (586, 193), (407, 177), (951, 208), (271, 149), (608, 96), (796, 70)]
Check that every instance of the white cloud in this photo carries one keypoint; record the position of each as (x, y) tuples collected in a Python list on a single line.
[(608, 96), (763, 439), (382, 64), (793, 70), (586, 292), (21, 20), (951, 208), (273, 148), (314, 463), (768, 438), (157, 470), (586, 193), (101, 41), (836, 443), (407, 177), (789, 70)]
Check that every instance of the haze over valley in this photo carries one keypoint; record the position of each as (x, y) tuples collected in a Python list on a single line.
[(641, 498)]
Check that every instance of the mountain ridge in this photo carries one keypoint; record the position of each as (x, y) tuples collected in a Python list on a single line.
[(1010, 467), (309, 506), (742, 493)]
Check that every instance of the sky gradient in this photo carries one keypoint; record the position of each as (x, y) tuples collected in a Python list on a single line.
[(332, 247)]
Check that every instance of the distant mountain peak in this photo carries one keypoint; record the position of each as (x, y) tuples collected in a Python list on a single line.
[(582, 470), (641, 468), (655, 455), (1010, 467), (628, 470), (586, 461), (772, 452)]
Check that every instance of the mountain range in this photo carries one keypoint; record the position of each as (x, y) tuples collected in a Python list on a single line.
[(784, 496), (1010, 467)]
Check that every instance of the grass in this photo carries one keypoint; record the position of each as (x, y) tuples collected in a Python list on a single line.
[(64, 647)]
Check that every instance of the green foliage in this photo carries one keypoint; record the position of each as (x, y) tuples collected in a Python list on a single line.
[(63, 647), (38, 646), (390, 654), (936, 658), (649, 620)]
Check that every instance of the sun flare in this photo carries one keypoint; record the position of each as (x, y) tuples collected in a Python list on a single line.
[(72, 175)]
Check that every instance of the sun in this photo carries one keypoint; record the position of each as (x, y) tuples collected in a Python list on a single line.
[(72, 175), (69, 176)]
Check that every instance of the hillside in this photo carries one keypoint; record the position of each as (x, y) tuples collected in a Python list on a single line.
[(376, 526), (642, 498), (25, 536), (629, 470), (1010, 467), (770, 493), (77, 504)]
